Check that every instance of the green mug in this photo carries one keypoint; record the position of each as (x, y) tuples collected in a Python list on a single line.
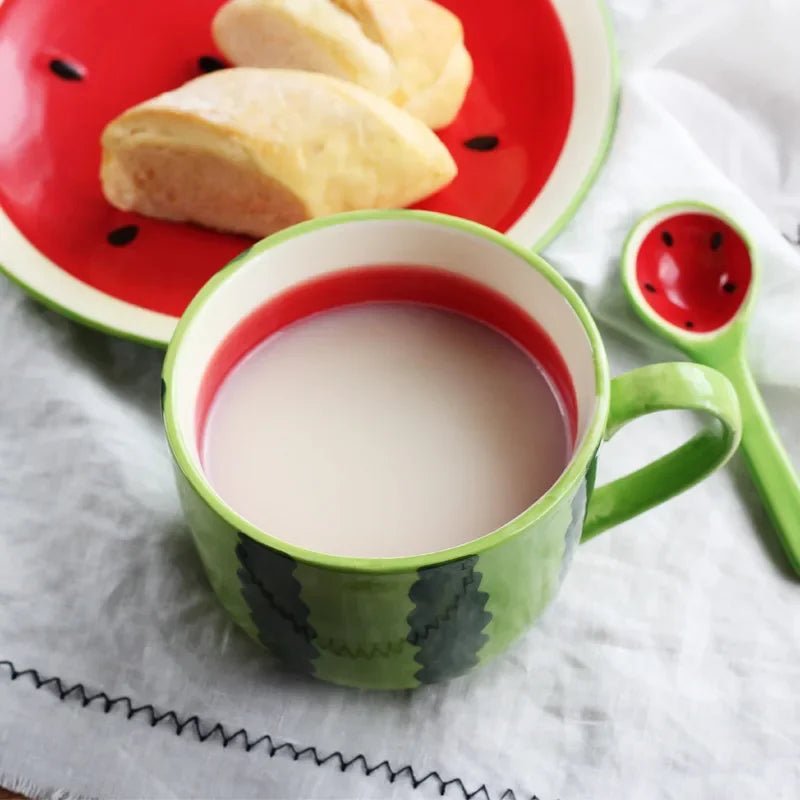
[(393, 623)]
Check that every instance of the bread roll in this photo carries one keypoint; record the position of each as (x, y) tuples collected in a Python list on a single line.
[(423, 65), (314, 35), (426, 43), (252, 151)]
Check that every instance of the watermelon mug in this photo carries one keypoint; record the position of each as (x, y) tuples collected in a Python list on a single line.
[(400, 622)]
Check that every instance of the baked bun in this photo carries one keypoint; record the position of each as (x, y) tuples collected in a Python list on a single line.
[(254, 150), (426, 43), (409, 51), (313, 35)]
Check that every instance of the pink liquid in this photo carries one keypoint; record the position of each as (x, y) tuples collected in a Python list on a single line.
[(384, 429)]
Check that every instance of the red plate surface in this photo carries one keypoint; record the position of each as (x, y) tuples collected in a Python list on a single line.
[(111, 55)]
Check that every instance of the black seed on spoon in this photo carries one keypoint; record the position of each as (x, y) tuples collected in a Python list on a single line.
[(209, 64), (65, 70), (482, 143), (666, 237), (716, 240), (650, 287), (119, 237), (729, 287), (689, 324)]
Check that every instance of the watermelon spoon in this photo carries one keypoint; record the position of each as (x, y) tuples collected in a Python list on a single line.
[(691, 275)]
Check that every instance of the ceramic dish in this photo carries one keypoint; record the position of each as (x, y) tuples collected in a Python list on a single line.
[(531, 136)]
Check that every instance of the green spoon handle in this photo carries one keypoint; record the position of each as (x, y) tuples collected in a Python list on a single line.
[(775, 477)]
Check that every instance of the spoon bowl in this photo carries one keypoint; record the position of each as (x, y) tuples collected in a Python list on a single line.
[(691, 273)]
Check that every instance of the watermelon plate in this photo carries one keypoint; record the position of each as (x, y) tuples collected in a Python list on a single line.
[(531, 135)]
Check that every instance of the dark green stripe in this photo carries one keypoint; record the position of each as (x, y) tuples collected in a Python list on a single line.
[(591, 475), (579, 508), (272, 594), (448, 619)]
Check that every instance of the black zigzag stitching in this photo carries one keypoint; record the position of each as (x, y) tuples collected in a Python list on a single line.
[(243, 738)]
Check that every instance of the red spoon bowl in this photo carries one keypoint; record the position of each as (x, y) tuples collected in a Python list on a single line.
[(694, 270)]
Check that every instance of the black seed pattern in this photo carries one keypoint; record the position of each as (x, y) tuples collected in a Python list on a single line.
[(119, 237), (482, 143), (666, 237), (650, 287), (209, 64), (689, 324), (65, 70), (448, 619), (716, 240), (273, 595), (729, 287), (163, 394)]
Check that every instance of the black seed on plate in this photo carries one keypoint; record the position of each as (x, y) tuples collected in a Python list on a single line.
[(689, 324), (119, 237), (666, 237), (482, 143), (716, 240), (209, 64), (163, 393), (729, 287), (650, 287), (65, 70)]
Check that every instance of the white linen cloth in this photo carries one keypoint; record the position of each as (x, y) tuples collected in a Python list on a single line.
[(668, 667)]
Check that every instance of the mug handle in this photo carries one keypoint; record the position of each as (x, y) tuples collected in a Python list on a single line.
[(665, 387)]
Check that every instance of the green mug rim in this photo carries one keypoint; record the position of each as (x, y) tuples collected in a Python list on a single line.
[(574, 472)]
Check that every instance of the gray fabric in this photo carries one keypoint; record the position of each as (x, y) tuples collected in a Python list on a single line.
[(668, 666)]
